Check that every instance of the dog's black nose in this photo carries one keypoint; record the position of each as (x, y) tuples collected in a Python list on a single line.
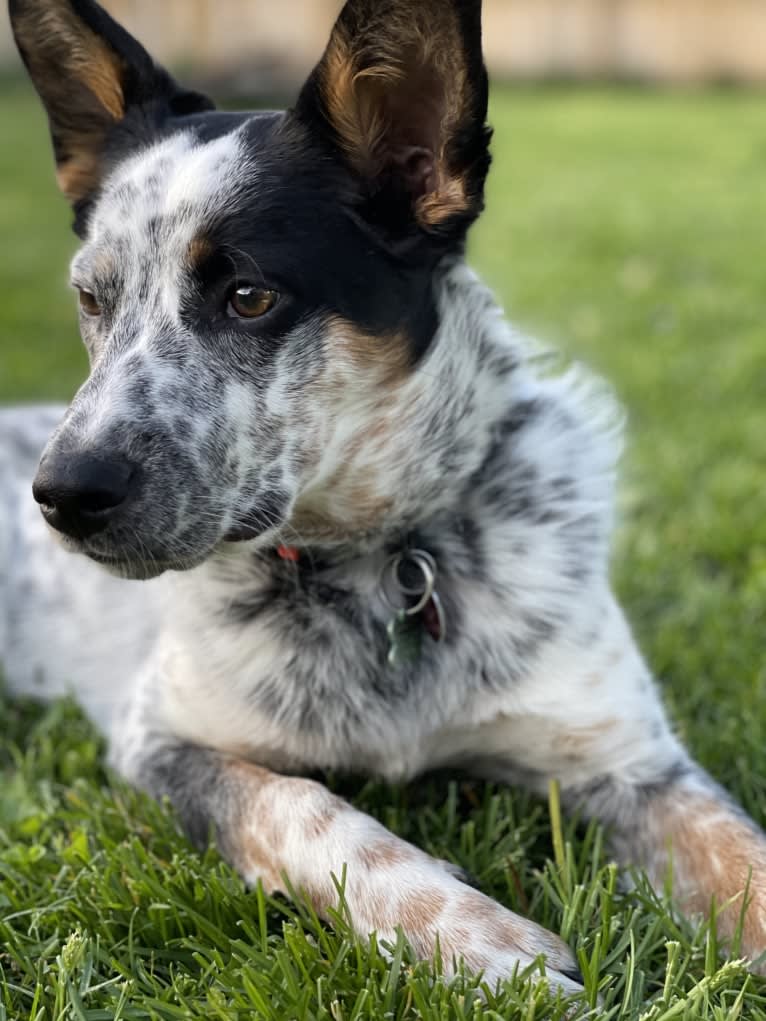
[(79, 494)]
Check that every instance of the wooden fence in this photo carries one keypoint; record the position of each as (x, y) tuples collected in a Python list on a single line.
[(654, 40)]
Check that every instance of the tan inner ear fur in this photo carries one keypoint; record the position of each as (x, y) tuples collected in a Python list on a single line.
[(359, 81), (198, 251), (79, 176), (60, 50)]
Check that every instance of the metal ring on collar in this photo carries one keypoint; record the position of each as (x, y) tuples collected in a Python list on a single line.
[(427, 566)]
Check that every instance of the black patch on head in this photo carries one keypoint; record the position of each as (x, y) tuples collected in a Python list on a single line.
[(292, 228)]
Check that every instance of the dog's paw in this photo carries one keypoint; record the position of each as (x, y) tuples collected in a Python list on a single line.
[(469, 926), (494, 940)]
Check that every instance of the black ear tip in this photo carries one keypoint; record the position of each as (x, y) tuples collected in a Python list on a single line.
[(18, 8), (184, 103)]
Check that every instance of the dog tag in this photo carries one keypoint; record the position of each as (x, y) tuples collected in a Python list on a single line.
[(405, 637), (410, 577)]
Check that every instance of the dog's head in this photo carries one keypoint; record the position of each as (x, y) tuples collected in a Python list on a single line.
[(253, 287)]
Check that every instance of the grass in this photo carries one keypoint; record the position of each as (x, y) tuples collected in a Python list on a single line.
[(629, 227)]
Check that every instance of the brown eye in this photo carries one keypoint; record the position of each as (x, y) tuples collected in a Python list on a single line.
[(248, 302), (88, 304)]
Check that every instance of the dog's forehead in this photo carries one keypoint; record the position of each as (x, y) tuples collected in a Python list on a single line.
[(158, 201)]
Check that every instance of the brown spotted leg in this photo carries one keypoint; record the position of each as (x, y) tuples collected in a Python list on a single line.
[(684, 826), (269, 826), (597, 725)]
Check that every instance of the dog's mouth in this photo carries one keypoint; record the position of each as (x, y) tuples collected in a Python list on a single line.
[(139, 562), (141, 569), (135, 567), (244, 533), (144, 569), (262, 520)]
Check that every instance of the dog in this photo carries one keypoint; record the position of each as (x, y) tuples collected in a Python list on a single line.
[(372, 532)]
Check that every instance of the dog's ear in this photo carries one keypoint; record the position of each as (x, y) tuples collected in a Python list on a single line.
[(93, 78), (401, 91)]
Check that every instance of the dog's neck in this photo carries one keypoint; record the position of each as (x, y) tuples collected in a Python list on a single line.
[(392, 465)]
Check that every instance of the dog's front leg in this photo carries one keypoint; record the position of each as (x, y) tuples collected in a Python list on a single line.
[(596, 724), (275, 828)]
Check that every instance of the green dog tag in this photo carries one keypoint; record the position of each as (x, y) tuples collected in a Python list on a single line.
[(405, 635)]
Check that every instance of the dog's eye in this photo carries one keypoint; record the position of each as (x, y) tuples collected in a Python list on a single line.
[(88, 303), (247, 302)]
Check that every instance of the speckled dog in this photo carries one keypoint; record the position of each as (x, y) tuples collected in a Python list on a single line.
[(382, 534)]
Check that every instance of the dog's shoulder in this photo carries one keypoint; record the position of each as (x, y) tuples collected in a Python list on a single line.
[(545, 440), (547, 476)]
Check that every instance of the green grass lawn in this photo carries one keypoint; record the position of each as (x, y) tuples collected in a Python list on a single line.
[(629, 228)]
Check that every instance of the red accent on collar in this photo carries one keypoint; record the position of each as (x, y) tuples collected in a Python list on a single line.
[(291, 553)]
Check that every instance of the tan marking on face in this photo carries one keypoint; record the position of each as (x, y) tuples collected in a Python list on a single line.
[(315, 524), (355, 496), (388, 357), (199, 250)]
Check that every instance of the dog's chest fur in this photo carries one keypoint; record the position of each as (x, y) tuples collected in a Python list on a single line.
[(287, 662)]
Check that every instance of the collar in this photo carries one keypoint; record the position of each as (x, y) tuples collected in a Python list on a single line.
[(422, 610)]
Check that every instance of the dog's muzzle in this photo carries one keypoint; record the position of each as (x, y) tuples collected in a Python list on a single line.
[(80, 494)]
